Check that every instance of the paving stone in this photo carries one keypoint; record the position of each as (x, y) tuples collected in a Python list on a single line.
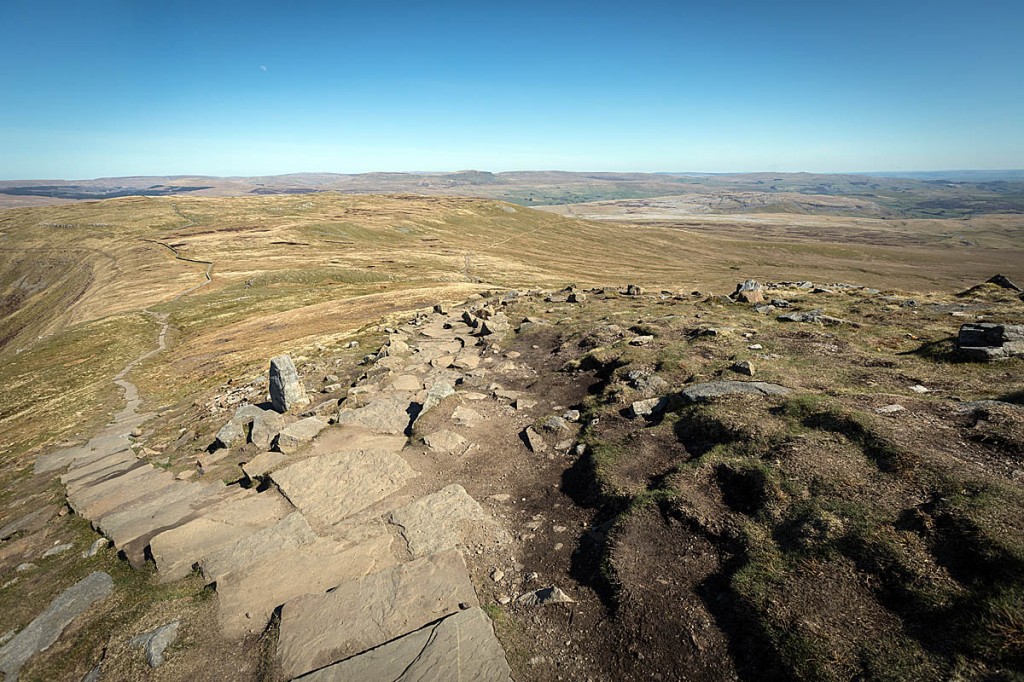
[(175, 551), (385, 414), (368, 612), (127, 527), (460, 647), (332, 486), (294, 436), (262, 464), (248, 597), (289, 533), (45, 628), (435, 523), (447, 442)]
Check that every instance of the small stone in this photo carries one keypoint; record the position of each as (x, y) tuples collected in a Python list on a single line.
[(744, 367), (22, 568), (352, 344), (504, 600), (641, 340), (649, 407), (918, 388), (95, 547), (185, 475), (497, 575), (890, 409), (571, 416), (155, 642), (755, 346), (59, 549)]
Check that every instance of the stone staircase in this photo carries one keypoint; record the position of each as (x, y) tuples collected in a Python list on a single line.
[(364, 563)]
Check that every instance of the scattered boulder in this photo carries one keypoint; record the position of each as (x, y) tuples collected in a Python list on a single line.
[(699, 393), (265, 427), (647, 383), (744, 367), (95, 547), (545, 596), (534, 441), (749, 291), (577, 297), (438, 392), (815, 316), (44, 630), (641, 340), (155, 642), (985, 341), (649, 408), (286, 389), (634, 290)]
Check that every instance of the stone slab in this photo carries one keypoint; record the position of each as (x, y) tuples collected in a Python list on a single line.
[(177, 550), (44, 630), (390, 413), (368, 612), (435, 523), (710, 390), (247, 598), (289, 533), (333, 486), (460, 647)]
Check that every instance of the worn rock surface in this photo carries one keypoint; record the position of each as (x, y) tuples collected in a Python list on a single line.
[(48, 626), (460, 647), (371, 611), (718, 389), (334, 486), (435, 523)]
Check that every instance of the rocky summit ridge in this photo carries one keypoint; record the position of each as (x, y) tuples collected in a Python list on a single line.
[(513, 486)]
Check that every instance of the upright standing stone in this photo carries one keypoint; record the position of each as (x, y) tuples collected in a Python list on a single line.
[(286, 390)]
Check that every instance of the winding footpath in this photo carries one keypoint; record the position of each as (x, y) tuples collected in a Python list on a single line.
[(364, 565)]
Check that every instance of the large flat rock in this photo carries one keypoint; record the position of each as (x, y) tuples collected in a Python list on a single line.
[(318, 630), (122, 493), (390, 413), (175, 551), (331, 487), (247, 598), (289, 533), (460, 647), (435, 523), (48, 626), (140, 523)]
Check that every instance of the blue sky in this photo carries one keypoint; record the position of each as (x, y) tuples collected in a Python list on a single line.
[(129, 87)]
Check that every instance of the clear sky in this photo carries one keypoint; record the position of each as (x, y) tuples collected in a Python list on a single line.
[(126, 87)]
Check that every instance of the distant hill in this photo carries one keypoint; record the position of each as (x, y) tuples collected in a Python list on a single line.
[(930, 194)]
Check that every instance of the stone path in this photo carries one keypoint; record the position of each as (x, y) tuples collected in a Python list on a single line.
[(364, 565)]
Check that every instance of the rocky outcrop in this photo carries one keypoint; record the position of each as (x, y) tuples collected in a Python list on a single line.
[(985, 341)]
